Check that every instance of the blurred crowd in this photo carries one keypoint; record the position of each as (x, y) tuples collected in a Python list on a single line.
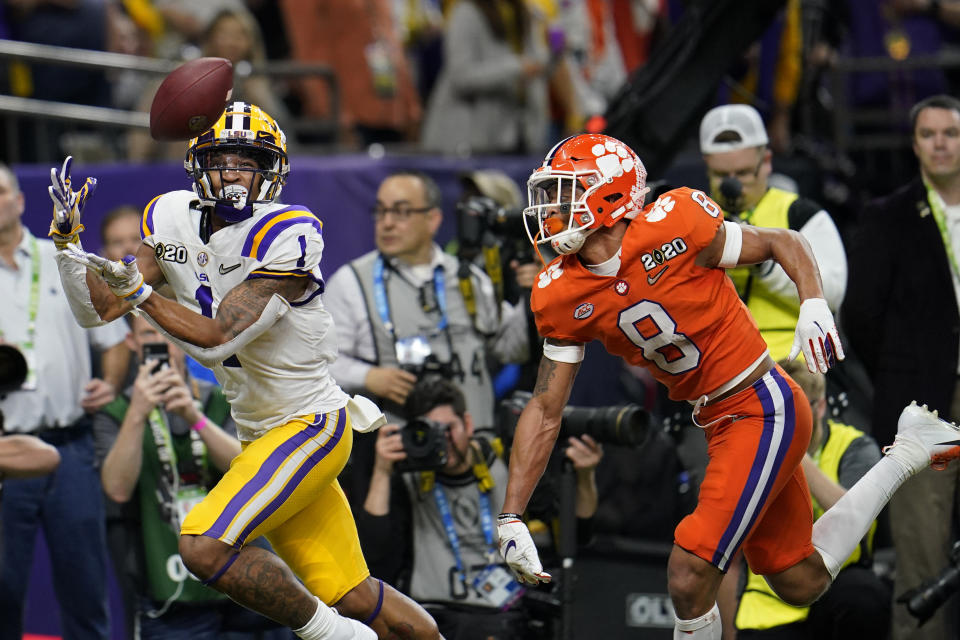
[(488, 76)]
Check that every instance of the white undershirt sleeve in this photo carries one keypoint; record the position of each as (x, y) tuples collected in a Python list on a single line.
[(73, 277)]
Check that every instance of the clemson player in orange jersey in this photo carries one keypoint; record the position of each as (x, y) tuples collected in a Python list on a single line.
[(649, 283)]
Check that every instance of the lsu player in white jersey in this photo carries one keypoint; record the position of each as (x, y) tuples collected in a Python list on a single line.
[(246, 276)]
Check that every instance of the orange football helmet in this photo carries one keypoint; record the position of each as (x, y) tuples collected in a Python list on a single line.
[(586, 182)]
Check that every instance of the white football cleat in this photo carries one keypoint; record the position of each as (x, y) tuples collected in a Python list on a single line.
[(924, 439)]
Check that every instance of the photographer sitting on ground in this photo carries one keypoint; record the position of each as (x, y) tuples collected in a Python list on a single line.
[(431, 530)]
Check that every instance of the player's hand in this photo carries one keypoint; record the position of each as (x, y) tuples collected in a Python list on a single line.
[(122, 276), (67, 205), (584, 452), (518, 550), (816, 336), (390, 382), (96, 394), (389, 448)]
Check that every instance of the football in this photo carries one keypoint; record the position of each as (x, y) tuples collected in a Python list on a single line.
[(191, 99)]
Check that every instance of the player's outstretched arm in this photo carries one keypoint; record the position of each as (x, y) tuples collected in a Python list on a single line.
[(535, 436), (239, 310), (537, 430), (816, 336)]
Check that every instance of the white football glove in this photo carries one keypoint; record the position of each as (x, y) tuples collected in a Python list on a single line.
[(518, 550), (67, 205), (817, 336), (122, 276)]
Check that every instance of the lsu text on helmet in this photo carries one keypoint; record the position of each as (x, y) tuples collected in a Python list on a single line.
[(249, 132), (586, 182)]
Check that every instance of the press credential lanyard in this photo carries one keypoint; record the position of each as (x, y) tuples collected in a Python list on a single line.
[(940, 217), (486, 523), (29, 353), (383, 305)]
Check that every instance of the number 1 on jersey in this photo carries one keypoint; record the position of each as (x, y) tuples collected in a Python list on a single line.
[(657, 347)]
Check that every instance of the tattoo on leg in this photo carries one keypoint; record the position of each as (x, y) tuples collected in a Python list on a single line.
[(262, 582), (401, 631)]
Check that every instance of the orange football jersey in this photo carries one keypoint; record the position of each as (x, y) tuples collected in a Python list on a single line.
[(683, 322)]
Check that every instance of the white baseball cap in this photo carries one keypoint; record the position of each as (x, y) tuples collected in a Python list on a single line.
[(741, 119)]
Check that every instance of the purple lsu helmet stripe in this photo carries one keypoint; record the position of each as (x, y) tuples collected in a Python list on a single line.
[(734, 535), (263, 475), (146, 225), (315, 458)]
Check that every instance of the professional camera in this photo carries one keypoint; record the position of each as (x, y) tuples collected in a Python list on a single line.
[(425, 442), (430, 365), (924, 600), (13, 368), (482, 224), (626, 424), (13, 371)]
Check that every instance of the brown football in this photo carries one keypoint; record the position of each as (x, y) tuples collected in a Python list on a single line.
[(191, 99)]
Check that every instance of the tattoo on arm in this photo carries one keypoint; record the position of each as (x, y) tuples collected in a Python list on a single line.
[(244, 303), (546, 373)]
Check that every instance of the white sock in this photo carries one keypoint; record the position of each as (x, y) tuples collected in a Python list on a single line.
[(327, 624), (839, 530), (706, 627)]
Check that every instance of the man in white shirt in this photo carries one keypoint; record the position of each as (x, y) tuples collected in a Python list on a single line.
[(54, 404), (408, 308)]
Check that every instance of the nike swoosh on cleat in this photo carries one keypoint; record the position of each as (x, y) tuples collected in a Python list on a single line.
[(651, 280), (225, 270)]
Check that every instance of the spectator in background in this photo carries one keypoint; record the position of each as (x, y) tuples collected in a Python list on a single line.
[(770, 72), (120, 232), (358, 40), (160, 448), (81, 24), (432, 529), (232, 33), (733, 141), (53, 404), (416, 318), (857, 604), (491, 96), (904, 279)]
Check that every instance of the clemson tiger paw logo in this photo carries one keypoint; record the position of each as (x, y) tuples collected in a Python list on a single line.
[(613, 160), (661, 208)]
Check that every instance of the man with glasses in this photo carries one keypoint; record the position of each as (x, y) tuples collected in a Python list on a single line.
[(734, 142), (423, 311)]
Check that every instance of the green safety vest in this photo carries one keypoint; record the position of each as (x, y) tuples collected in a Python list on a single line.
[(760, 607), (775, 315), (165, 572)]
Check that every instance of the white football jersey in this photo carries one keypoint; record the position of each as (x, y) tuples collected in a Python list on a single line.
[(284, 372)]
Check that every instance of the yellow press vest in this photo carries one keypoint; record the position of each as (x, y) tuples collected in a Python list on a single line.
[(775, 315), (760, 607)]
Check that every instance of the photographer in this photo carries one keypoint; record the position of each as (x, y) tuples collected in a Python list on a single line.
[(434, 528), (159, 455), (54, 404), (408, 308)]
